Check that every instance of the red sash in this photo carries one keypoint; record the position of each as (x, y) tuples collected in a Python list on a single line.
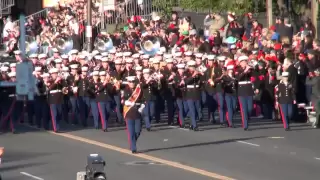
[(134, 97)]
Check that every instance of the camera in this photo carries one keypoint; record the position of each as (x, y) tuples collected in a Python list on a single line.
[(94, 169)]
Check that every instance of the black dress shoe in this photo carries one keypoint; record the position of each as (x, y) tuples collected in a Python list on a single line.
[(105, 130), (148, 129), (195, 128), (182, 126), (246, 129), (231, 126), (287, 129), (134, 152)]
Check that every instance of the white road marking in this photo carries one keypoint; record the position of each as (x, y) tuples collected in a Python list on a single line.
[(165, 140), (31, 176), (316, 158), (276, 137), (251, 144), (177, 127)]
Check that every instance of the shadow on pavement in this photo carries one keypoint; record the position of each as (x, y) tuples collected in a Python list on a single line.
[(201, 144), (20, 166), (13, 156)]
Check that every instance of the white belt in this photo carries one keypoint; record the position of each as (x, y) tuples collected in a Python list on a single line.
[(55, 91), (170, 83), (124, 82), (12, 95), (192, 86), (244, 82)]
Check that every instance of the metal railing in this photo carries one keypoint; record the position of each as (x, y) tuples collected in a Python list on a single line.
[(42, 13), (4, 4)]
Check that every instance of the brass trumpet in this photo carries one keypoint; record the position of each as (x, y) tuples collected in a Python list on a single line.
[(65, 90)]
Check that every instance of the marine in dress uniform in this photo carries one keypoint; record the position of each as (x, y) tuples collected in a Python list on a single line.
[(83, 95), (286, 99), (149, 87), (167, 84), (117, 75), (209, 87), (245, 90), (104, 92), (55, 87), (314, 83), (180, 92), (230, 86), (93, 98), (73, 81), (219, 92), (133, 116), (193, 93), (41, 100)]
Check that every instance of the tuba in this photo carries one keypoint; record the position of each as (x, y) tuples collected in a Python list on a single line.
[(64, 44), (103, 44), (150, 45), (31, 45)]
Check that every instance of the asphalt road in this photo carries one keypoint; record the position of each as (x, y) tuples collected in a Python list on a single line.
[(263, 153)]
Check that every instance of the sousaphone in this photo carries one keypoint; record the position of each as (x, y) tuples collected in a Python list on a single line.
[(31, 45), (64, 44), (150, 45), (103, 44)]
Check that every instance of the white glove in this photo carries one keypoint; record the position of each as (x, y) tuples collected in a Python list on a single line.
[(141, 108), (128, 103), (75, 89)]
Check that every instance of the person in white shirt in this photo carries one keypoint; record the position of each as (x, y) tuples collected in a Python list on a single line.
[(7, 27)]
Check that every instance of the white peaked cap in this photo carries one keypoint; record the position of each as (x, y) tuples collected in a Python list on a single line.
[(102, 73), (178, 54), (95, 73), (74, 51), (55, 50), (74, 66), (169, 60), (53, 70), (136, 55), (243, 58), (230, 67), (233, 46), (95, 52), (155, 61), (188, 53), (159, 52), (13, 65), (181, 66), (126, 54), (38, 68), (146, 56), (141, 52), (167, 56), (138, 68), (285, 74), (119, 54), (131, 78), (65, 69), (33, 56), (40, 56), (82, 56), (199, 55), (17, 52), (12, 74), (84, 68), (98, 57), (104, 59), (58, 60), (118, 61), (221, 58), (4, 68), (104, 54), (146, 71), (129, 60), (211, 56), (112, 51), (45, 75), (65, 56), (191, 63)]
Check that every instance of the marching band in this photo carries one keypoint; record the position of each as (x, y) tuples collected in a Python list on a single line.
[(138, 87)]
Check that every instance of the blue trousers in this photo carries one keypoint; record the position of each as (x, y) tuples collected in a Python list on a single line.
[(212, 105), (192, 111), (104, 111), (95, 113), (231, 103), (74, 109), (56, 114), (170, 108), (149, 112), (84, 109), (30, 111), (219, 96), (181, 111), (246, 103), (133, 132), (65, 108), (42, 113), (267, 110), (16, 114), (286, 114), (119, 107)]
